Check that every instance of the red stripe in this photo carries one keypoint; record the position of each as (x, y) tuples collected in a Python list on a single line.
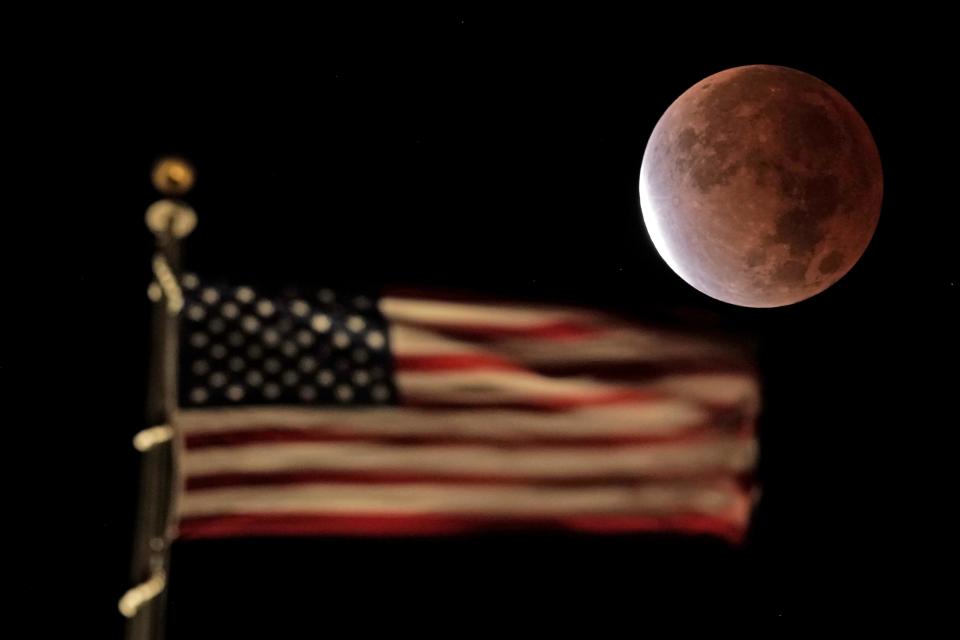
[(283, 478), (556, 330), (245, 437), (310, 524), (545, 403), (612, 371), (455, 362)]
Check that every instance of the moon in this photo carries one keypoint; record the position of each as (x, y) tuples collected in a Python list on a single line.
[(761, 186)]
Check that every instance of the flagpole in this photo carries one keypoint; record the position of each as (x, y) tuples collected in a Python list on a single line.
[(144, 603)]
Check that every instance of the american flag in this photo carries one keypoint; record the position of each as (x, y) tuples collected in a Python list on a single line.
[(312, 412)]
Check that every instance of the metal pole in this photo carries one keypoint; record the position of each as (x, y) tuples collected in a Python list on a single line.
[(145, 603)]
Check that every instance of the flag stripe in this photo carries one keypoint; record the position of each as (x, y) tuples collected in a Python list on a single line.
[(199, 482), (659, 418), (501, 501), (265, 435), (417, 354), (610, 346), (492, 319), (522, 388), (732, 454), (486, 391), (311, 523), (615, 347), (455, 362)]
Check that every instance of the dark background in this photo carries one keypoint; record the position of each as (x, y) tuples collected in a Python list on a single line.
[(501, 154)]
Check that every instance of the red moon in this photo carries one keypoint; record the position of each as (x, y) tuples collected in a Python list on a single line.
[(761, 186)]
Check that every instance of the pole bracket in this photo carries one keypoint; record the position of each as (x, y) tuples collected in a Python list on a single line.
[(151, 437), (137, 596), (168, 284)]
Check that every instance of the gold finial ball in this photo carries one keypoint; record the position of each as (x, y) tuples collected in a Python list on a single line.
[(171, 216), (173, 176)]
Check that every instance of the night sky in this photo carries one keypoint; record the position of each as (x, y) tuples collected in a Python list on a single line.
[(501, 155)]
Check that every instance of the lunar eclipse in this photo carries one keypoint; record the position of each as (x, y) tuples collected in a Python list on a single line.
[(761, 186)]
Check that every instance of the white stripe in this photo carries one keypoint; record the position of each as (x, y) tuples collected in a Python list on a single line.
[(505, 316), (491, 387), (659, 417), (728, 454), (617, 346), (738, 389), (466, 500), (406, 340)]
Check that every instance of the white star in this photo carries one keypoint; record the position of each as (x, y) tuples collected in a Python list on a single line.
[(320, 322), (375, 340), (344, 393), (245, 295)]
